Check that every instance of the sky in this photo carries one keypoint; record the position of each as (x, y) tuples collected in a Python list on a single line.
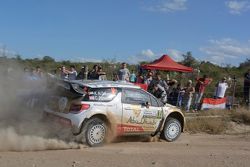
[(126, 30)]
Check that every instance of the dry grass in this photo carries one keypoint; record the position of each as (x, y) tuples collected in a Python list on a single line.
[(207, 125), (241, 115), (216, 121)]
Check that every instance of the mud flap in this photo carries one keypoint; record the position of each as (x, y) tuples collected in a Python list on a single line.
[(158, 128)]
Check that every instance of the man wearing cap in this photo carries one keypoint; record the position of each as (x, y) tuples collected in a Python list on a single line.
[(221, 88)]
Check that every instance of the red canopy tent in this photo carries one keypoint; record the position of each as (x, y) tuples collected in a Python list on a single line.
[(166, 63)]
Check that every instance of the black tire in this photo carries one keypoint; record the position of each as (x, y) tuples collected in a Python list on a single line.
[(171, 130), (96, 132)]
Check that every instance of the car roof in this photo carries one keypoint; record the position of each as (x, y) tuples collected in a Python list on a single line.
[(102, 84)]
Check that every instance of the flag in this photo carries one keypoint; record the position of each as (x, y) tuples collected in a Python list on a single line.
[(211, 103)]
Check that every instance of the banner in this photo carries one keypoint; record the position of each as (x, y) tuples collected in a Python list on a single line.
[(211, 103)]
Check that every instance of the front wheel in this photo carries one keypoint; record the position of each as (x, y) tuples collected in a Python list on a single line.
[(96, 132), (172, 130)]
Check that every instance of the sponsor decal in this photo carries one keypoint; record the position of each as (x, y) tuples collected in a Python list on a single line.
[(149, 114), (154, 115), (143, 120), (122, 128), (136, 110)]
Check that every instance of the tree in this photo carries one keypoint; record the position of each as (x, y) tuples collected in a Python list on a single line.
[(48, 59), (245, 64), (18, 57), (189, 60)]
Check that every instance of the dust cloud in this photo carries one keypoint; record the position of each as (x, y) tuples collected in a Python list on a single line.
[(11, 141), (22, 127)]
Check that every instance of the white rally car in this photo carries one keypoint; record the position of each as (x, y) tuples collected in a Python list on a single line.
[(97, 108)]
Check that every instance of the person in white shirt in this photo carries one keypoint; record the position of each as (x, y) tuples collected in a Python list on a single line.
[(221, 88), (123, 73)]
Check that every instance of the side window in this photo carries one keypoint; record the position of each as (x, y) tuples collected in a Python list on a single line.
[(154, 102), (100, 94), (133, 96)]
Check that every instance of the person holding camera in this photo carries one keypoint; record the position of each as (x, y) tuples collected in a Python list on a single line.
[(220, 88)]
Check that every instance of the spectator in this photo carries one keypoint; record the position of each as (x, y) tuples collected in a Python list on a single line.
[(72, 73), (102, 74), (188, 95), (132, 77), (80, 75), (140, 78), (115, 76), (221, 88), (173, 93), (148, 78), (63, 74), (200, 86), (171, 86), (180, 97), (33, 76), (123, 73), (157, 79), (93, 74), (39, 72), (247, 87), (159, 92)]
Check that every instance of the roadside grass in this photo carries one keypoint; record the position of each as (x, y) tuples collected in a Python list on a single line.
[(216, 121), (241, 115), (207, 125)]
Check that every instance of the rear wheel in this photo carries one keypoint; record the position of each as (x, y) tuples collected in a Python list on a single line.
[(172, 130), (96, 132)]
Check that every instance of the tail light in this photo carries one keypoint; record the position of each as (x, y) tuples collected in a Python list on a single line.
[(77, 108)]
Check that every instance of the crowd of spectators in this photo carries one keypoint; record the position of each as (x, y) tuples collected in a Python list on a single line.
[(96, 73), (33, 73), (167, 90)]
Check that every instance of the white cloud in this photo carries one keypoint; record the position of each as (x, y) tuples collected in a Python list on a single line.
[(83, 59), (176, 55), (144, 55), (237, 7), (168, 6), (227, 51), (148, 55)]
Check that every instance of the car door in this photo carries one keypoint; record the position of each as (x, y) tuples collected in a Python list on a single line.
[(139, 116)]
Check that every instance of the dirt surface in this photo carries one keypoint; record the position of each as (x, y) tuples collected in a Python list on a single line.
[(188, 150)]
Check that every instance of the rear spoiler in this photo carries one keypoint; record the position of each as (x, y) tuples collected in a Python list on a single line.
[(65, 85)]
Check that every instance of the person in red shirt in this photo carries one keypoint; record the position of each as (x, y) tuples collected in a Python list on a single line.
[(200, 86), (139, 78)]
